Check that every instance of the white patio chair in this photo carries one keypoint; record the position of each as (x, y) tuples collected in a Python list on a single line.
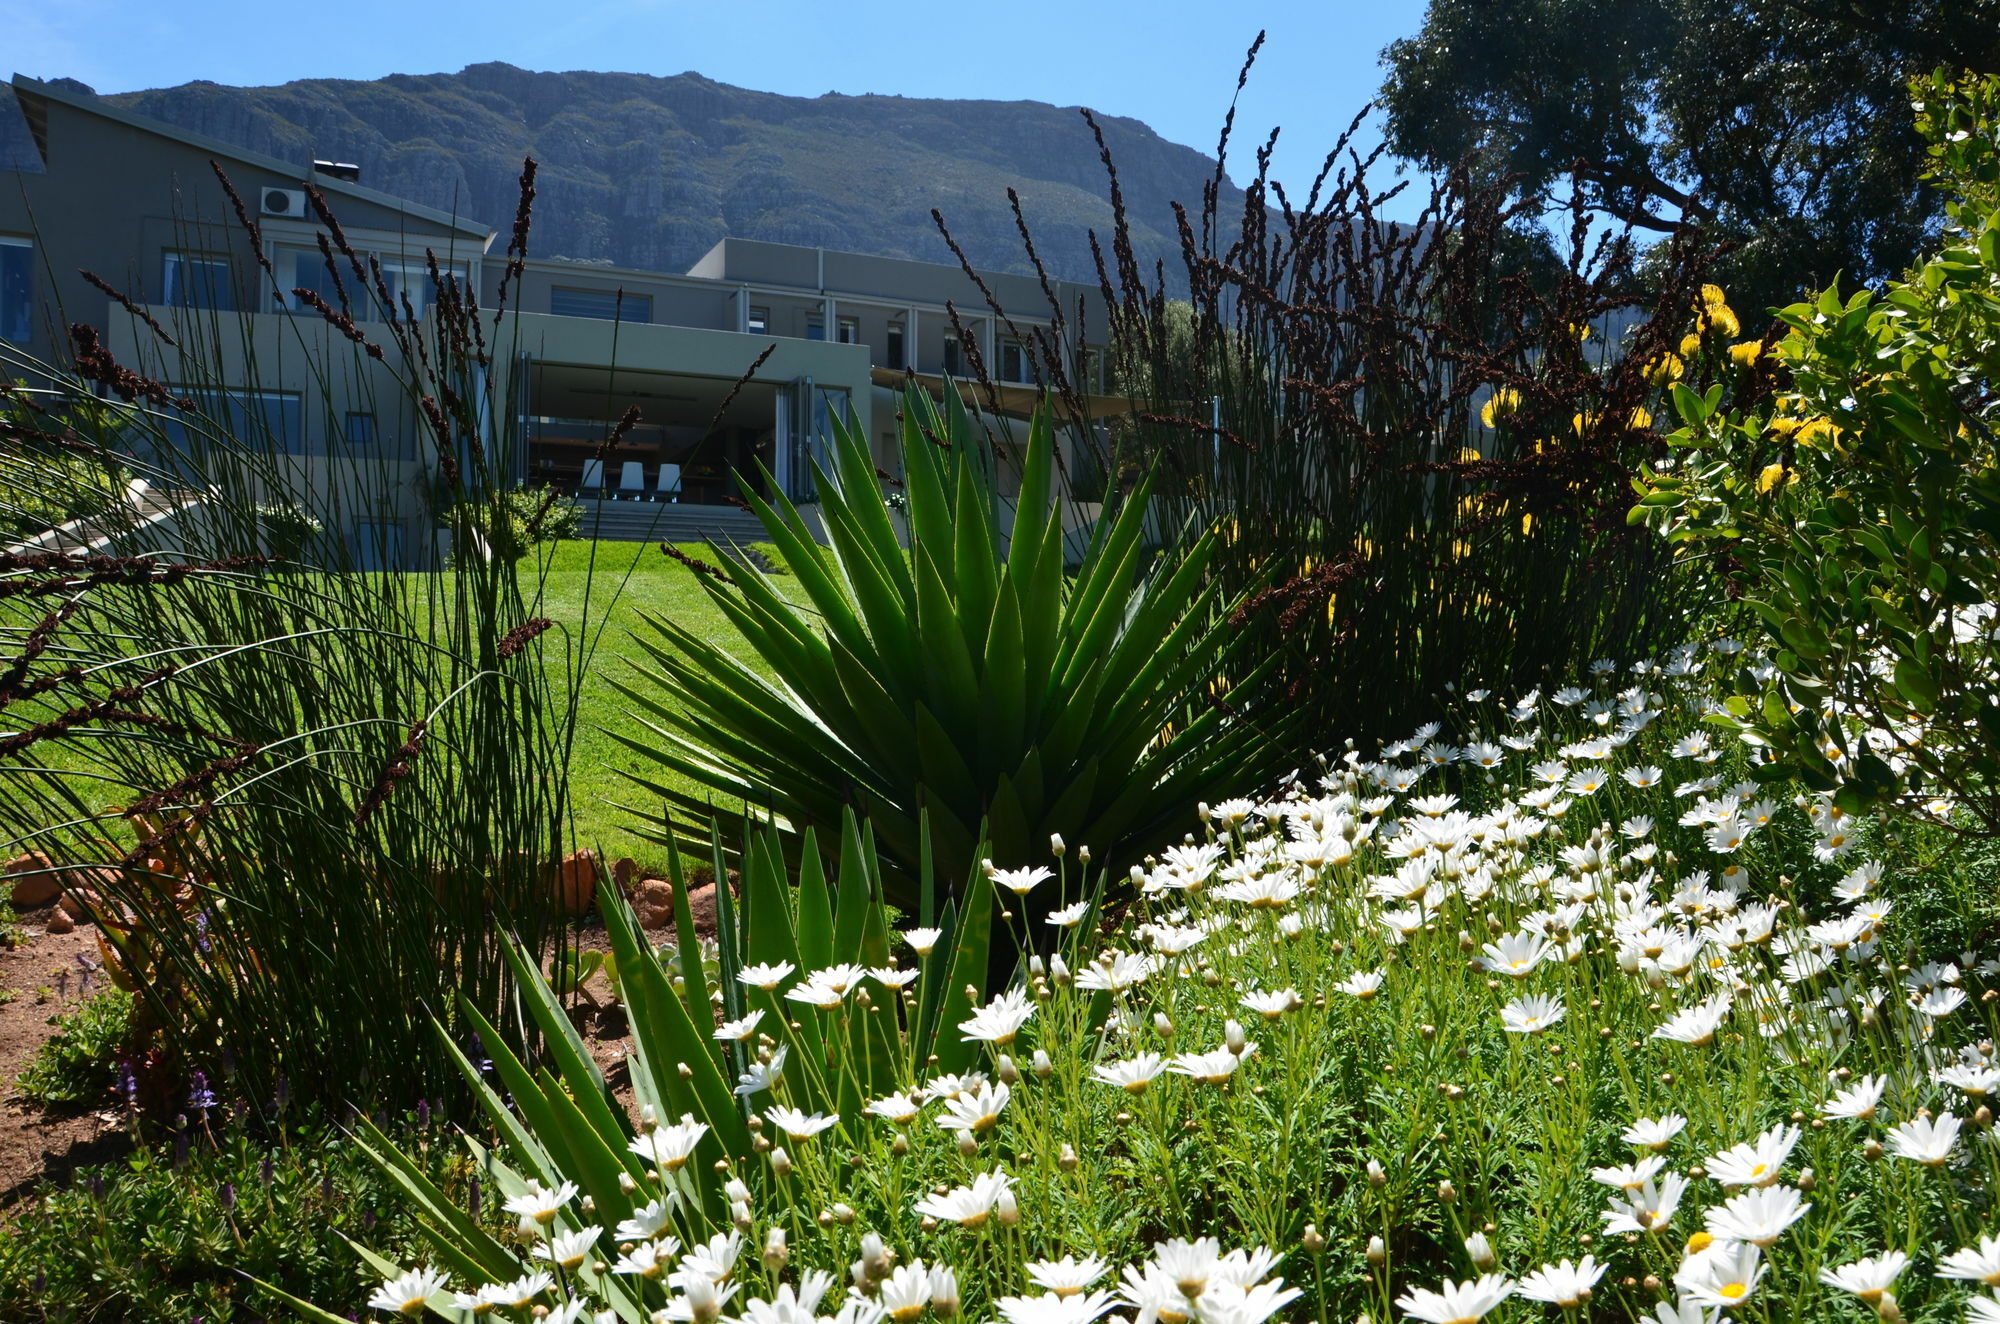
[(670, 483), (632, 479), (592, 482)]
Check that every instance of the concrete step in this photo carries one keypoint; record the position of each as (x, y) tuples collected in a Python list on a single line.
[(649, 521)]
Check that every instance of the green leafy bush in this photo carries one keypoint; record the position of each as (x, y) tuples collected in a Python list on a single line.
[(166, 1235), (514, 522), (78, 1063), (992, 690), (1858, 506)]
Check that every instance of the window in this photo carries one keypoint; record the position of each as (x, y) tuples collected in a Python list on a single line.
[(197, 281), (954, 356), (605, 305), (360, 428), (892, 356), (815, 328), (412, 281), (268, 421), (308, 271), (1016, 365), (850, 331), (760, 322), (17, 289)]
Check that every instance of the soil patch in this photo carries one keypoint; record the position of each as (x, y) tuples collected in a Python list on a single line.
[(35, 1144)]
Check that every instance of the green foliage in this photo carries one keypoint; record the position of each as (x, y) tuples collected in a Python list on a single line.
[(288, 529), (315, 799), (978, 682), (77, 1064), (1861, 509), (560, 1122), (1414, 460), (514, 522), (1779, 126), (1417, 998), (156, 1239), (12, 935), (43, 486)]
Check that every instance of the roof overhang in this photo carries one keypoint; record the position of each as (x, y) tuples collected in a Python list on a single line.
[(35, 96)]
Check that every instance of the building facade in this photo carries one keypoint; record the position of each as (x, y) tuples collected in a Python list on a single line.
[(140, 206)]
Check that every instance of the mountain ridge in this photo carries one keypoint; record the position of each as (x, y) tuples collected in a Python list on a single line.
[(649, 172)]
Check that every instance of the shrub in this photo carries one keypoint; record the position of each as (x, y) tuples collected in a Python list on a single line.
[(1413, 439), (166, 1235), (78, 1064), (970, 678), (1854, 490), (1561, 1008)]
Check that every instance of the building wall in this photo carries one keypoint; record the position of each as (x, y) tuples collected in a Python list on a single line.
[(115, 198)]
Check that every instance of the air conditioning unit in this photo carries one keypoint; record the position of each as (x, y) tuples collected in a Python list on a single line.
[(285, 202)]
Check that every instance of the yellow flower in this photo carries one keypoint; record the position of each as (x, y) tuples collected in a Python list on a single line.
[(1713, 297), (1641, 418), (1785, 427), (1719, 320), (1773, 476), (1817, 432), (1747, 352), (1527, 525), (1503, 403), (1467, 454), (1691, 344), (1582, 332), (1665, 369), (1584, 422)]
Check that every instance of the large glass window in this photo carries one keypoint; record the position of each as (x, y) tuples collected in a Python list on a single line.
[(760, 321), (307, 270), (892, 354), (850, 331), (605, 305), (270, 421), (17, 289), (193, 280), (411, 281)]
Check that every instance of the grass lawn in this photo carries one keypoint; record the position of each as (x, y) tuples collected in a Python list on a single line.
[(627, 578)]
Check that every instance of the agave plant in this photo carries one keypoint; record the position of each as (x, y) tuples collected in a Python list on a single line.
[(560, 1125), (971, 675)]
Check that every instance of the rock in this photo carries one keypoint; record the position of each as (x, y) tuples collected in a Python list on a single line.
[(625, 872), (576, 882), (701, 901), (653, 903), (36, 882), (60, 922)]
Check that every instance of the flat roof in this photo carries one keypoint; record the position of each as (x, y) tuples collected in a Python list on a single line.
[(31, 91)]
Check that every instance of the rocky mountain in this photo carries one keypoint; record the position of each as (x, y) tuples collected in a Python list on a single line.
[(650, 172)]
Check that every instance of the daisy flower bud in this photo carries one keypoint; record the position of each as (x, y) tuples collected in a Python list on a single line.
[(1378, 1251)]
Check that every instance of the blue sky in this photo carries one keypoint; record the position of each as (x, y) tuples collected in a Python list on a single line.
[(1170, 64)]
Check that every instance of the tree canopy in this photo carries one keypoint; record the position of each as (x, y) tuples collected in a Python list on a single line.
[(1781, 125)]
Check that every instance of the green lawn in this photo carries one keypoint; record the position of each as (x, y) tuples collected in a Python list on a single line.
[(627, 578)]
